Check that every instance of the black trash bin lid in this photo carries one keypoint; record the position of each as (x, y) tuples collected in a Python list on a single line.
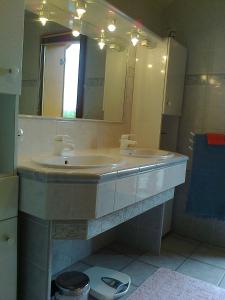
[(72, 281)]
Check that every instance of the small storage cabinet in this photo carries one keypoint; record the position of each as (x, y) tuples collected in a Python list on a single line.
[(174, 79), (11, 37)]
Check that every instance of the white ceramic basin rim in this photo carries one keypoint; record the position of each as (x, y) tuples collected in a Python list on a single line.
[(77, 161), (151, 153)]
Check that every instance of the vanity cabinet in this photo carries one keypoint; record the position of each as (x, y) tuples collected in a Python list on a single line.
[(11, 37), (174, 79)]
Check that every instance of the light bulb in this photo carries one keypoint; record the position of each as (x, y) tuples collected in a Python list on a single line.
[(76, 28), (135, 39), (81, 8), (43, 20), (112, 26), (101, 44), (76, 33), (43, 16)]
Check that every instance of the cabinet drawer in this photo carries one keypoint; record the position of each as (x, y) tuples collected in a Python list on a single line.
[(8, 259), (155, 182), (8, 197), (125, 192)]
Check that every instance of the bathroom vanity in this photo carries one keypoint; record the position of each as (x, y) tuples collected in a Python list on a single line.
[(80, 204)]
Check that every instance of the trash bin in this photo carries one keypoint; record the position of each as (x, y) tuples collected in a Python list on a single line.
[(72, 286)]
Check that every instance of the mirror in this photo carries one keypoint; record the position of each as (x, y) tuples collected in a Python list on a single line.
[(70, 77), (76, 55)]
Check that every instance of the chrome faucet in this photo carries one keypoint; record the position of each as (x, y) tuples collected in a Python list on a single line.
[(126, 142), (62, 143)]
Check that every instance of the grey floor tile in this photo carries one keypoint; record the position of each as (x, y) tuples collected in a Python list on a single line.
[(201, 271), (139, 272), (166, 259), (222, 283), (79, 266), (179, 245), (108, 259), (210, 255), (123, 249)]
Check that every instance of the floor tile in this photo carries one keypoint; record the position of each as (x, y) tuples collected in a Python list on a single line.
[(108, 259), (139, 272), (128, 251), (167, 259), (179, 245), (202, 271), (222, 283), (81, 267), (210, 255)]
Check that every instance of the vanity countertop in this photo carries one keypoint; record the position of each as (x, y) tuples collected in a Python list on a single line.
[(130, 165)]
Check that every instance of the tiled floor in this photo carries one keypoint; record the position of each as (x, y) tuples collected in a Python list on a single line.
[(186, 256)]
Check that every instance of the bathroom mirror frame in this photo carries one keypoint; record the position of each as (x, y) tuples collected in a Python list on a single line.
[(127, 24)]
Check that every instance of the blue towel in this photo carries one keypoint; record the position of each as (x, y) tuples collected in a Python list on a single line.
[(207, 187)]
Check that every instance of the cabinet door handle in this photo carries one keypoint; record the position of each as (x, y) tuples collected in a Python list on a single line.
[(8, 239), (10, 71), (169, 103), (5, 71)]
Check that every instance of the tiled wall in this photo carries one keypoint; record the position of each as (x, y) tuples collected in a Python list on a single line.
[(200, 25), (39, 134)]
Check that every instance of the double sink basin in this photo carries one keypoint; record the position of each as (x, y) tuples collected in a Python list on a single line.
[(80, 161)]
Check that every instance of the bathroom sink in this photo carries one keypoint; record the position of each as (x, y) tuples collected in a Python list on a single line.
[(77, 161), (149, 153)]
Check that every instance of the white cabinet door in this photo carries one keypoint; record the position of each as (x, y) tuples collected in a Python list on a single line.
[(8, 197), (11, 45), (148, 95), (175, 76), (8, 259)]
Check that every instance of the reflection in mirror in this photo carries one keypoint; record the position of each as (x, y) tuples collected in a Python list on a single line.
[(70, 77)]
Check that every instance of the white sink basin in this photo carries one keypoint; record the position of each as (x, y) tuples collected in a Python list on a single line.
[(151, 153), (78, 161)]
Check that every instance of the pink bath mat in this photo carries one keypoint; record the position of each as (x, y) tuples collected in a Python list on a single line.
[(169, 285)]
